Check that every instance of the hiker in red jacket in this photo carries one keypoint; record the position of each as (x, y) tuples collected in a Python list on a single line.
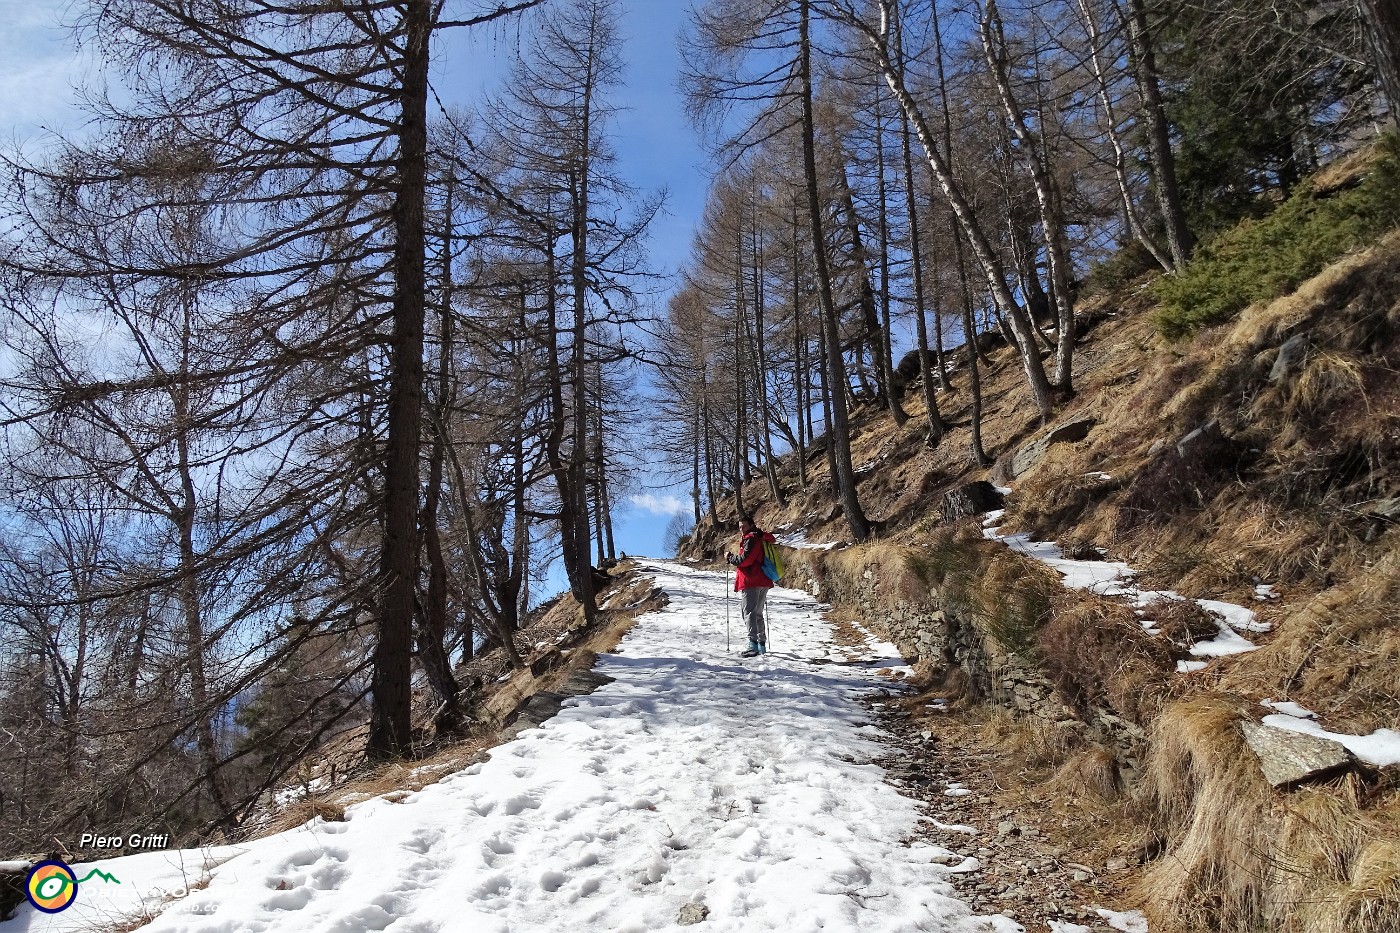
[(750, 580)]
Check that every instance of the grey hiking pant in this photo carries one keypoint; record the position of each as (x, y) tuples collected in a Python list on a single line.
[(754, 599)]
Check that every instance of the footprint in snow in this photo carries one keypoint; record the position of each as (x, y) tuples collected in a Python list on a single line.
[(496, 885), (370, 917), (423, 841), (294, 899), (494, 848), (328, 877), (520, 803), (311, 856)]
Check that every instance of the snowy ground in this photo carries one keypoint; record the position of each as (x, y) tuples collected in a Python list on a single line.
[(696, 777)]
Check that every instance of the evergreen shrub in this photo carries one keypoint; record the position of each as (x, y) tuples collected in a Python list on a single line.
[(1262, 259)]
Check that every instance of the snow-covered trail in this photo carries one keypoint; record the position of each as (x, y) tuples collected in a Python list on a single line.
[(695, 777)]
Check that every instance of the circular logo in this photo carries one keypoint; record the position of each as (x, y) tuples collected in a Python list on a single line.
[(52, 886)]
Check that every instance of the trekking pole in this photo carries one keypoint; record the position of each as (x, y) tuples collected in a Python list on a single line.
[(726, 611)]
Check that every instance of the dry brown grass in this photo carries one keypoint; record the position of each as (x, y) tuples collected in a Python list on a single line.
[(1181, 621), (881, 566), (948, 561), (1241, 857), (1059, 493), (1097, 652), (1328, 381), (1336, 654), (1040, 746), (1207, 797), (1370, 901), (1091, 774), (1014, 597)]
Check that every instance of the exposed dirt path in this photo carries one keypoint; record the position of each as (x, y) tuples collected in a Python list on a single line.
[(1045, 855)]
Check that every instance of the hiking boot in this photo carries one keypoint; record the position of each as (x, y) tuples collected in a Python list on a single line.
[(751, 653), (762, 648)]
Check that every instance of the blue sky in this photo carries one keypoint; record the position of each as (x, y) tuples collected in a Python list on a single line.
[(657, 149), (655, 143)]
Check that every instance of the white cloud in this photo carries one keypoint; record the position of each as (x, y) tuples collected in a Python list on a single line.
[(41, 67), (658, 505)]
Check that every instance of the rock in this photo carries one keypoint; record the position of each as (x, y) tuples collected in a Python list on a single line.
[(1070, 432), (1006, 828), (971, 499), (1288, 757), (908, 370), (1381, 512), (989, 340), (585, 681), (1080, 876), (1210, 431), (1289, 356), (546, 662), (1386, 510), (1073, 431), (1077, 549), (692, 914), (1116, 864)]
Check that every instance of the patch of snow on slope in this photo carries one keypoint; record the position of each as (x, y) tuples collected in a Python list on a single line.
[(1114, 578), (1131, 922), (1289, 708), (1381, 748), (798, 539), (1105, 577)]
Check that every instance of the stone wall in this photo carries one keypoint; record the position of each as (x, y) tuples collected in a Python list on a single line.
[(944, 638)]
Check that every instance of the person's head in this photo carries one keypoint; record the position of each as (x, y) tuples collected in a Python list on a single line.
[(746, 524)]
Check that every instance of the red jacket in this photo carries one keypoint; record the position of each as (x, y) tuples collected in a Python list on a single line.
[(750, 566)]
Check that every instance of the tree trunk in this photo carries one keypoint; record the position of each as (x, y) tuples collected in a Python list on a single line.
[(1051, 224), (972, 229), (801, 377), (886, 335), (695, 466), (1383, 27), (869, 312), (391, 685), (432, 649), (826, 409), (1131, 214), (1161, 163), (937, 427), (518, 586), (574, 567), (201, 708), (979, 455), (709, 456), (840, 437), (579, 460), (741, 425)]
